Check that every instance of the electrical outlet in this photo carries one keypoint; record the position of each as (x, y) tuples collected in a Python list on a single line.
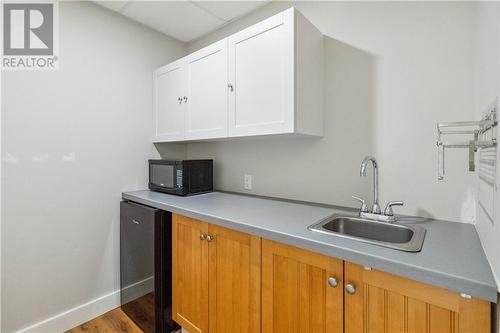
[(247, 182)]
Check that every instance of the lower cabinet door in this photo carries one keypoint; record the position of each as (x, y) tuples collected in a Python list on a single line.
[(301, 291), (190, 274), (234, 275), (380, 302)]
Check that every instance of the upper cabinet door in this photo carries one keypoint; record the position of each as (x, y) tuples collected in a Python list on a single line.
[(169, 84), (206, 113), (261, 77)]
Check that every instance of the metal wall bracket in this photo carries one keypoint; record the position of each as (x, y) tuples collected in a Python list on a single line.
[(474, 128)]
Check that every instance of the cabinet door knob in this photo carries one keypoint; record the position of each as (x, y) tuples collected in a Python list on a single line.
[(333, 282), (230, 86), (209, 238), (185, 99), (203, 237), (350, 289), (180, 100)]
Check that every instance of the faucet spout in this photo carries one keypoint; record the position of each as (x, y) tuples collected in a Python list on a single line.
[(362, 173)]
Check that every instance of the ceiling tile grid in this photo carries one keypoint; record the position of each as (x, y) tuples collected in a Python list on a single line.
[(183, 20)]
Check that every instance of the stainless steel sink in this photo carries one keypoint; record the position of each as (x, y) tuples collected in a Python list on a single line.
[(407, 238)]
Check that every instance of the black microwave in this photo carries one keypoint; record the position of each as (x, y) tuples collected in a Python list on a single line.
[(181, 177)]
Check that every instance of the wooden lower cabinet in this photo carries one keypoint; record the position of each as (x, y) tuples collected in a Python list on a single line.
[(189, 274), (296, 293), (216, 279), (232, 282), (381, 302)]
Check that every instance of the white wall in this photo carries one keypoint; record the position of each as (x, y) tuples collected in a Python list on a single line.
[(393, 70), (72, 141), (486, 91)]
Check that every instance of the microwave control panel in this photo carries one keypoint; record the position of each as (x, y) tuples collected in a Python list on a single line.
[(179, 178)]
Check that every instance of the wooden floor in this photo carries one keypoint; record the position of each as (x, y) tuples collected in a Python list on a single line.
[(114, 321), (117, 321)]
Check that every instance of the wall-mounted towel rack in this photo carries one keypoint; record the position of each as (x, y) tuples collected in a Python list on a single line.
[(478, 131)]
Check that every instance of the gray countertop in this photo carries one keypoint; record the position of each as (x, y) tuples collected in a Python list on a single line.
[(451, 257)]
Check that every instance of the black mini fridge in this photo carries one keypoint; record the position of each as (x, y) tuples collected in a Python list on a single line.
[(146, 267)]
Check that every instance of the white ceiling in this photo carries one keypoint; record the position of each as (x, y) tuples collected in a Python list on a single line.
[(183, 20)]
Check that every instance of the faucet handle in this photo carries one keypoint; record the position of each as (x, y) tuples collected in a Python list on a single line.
[(388, 208), (364, 205)]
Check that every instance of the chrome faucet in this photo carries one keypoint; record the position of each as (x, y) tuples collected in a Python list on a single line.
[(362, 173), (375, 213)]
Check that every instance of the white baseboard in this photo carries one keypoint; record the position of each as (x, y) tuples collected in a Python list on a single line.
[(73, 317)]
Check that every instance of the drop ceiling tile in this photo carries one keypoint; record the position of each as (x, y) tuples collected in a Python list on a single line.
[(113, 5), (182, 20), (228, 10)]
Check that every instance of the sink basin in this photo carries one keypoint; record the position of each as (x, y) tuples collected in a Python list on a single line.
[(393, 235)]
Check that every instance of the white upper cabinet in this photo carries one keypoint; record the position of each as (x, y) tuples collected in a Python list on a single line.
[(169, 84), (266, 79), (206, 114), (261, 73)]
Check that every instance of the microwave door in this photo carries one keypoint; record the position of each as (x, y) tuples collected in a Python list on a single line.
[(163, 175)]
